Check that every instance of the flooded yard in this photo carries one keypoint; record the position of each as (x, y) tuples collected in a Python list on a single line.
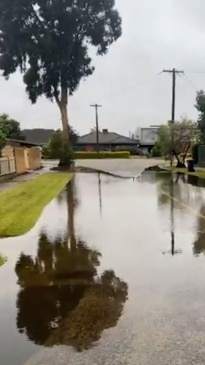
[(112, 273)]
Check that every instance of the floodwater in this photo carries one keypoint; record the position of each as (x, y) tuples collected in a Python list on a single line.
[(112, 273)]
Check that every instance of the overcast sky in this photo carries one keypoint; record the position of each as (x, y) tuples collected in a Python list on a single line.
[(157, 34)]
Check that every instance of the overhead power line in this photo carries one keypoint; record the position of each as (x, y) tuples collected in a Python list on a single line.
[(190, 82)]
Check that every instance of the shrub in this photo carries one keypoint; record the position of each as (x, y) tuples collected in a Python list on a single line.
[(148, 155), (101, 155), (46, 153), (137, 152), (156, 151)]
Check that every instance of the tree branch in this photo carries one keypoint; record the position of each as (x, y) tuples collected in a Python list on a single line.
[(40, 22)]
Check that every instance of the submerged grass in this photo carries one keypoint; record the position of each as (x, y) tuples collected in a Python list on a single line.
[(3, 259), (199, 173), (21, 206)]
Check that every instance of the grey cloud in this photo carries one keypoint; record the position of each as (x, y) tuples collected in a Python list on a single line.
[(156, 34)]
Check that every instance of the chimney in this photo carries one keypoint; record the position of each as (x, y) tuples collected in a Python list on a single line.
[(105, 131)]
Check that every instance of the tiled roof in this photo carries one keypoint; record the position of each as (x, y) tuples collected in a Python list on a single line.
[(106, 138), (42, 136), (38, 136), (19, 142)]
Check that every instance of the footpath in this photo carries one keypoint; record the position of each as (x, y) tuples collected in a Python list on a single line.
[(18, 179)]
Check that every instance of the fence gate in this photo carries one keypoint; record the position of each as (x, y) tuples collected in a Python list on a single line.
[(7, 165)]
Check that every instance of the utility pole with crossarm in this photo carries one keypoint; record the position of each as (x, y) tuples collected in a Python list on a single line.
[(174, 72), (96, 106)]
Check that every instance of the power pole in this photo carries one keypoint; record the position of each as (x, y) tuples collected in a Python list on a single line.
[(174, 72), (96, 106)]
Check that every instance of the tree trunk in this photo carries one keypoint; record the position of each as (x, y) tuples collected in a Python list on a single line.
[(186, 152), (180, 164), (64, 119), (66, 160)]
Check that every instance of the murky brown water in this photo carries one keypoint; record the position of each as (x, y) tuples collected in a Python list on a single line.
[(112, 273)]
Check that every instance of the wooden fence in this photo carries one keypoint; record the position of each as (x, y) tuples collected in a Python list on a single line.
[(7, 165), (20, 160)]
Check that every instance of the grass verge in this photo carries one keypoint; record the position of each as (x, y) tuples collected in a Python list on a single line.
[(2, 260), (22, 205), (199, 173)]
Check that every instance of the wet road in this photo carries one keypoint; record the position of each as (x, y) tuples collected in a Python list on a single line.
[(150, 307), (125, 167)]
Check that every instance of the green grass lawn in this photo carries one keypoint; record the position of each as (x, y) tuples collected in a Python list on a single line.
[(2, 260), (21, 206), (199, 173)]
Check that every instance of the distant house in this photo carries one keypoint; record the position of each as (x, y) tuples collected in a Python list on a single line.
[(38, 136), (148, 137), (20, 143), (107, 141)]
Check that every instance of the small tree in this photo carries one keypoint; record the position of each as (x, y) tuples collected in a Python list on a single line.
[(176, 139), (157, 151), (55, 147), (200, 106), (2, 141), (49, 42)]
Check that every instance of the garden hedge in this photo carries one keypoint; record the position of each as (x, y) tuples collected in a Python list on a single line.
[(101, 155)]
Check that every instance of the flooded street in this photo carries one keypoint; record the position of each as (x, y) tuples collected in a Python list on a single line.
[(112, 273)]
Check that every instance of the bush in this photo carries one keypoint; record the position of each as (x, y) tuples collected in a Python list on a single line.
[(137, 152), (101, 155), (195, 152), (156, 151), (148, 155), (46, 153)]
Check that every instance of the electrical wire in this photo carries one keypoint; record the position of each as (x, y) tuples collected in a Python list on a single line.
[(189, 82)]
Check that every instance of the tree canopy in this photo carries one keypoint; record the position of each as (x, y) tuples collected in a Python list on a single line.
[(50, 41), (2, 140), (9, 128), (177, 138), (200, 106)]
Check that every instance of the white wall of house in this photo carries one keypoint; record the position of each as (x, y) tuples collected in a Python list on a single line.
[(147, 135)]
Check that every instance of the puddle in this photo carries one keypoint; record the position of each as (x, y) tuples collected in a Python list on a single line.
[(111, 273)]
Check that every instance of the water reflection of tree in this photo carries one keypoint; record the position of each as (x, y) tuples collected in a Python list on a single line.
[(199, 244), (100, 308), (62, 300)]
